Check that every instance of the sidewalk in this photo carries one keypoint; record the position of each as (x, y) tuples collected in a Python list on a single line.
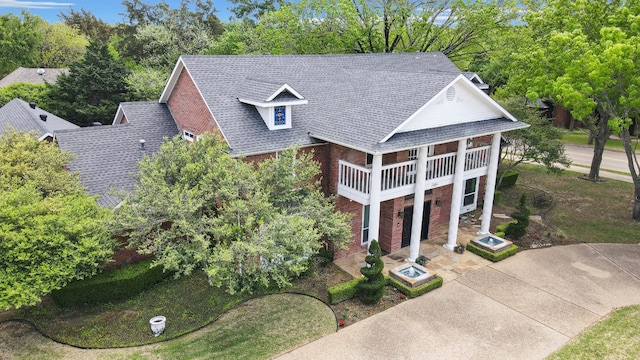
[(524, 307)]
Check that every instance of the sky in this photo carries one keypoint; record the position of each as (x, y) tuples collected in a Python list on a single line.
[(107, 10)]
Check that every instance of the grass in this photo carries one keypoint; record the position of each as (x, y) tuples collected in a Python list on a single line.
[(616, 337), (581, 137), (583, 210), (188, 303)]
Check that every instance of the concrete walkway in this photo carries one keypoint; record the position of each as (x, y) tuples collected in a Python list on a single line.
[(524, 307)]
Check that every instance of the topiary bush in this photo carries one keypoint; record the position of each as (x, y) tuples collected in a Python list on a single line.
[(519, 228), (371, 289), (110, 285)]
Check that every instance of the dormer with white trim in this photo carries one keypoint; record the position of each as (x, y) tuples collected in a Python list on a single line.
[(272, 100)]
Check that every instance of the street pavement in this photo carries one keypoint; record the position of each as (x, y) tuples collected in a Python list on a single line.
[(524, 307), (581, 156)]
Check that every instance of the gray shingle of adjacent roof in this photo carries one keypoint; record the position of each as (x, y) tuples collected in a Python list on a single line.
[(257, 90), (353, 99), (18, 115), (107, 156), (30, 75)]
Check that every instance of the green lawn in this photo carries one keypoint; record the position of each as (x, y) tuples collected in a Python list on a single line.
[(616, 337), (583, 210)]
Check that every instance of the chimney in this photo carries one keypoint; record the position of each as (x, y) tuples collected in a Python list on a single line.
[(32, 105), (142, 144), (43, 117)]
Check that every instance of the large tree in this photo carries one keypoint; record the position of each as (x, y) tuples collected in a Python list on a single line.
[(584, 55), (455, 27), (92, 90), (87, 24), (60, 46), (50, 232), (247, 226), (19, 39)]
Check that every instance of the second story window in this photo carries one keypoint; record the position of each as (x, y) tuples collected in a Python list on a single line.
[(413, 154), (188, 136), (279, 116)]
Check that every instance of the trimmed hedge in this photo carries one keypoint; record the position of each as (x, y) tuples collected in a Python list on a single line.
[(509, 179), (110, 285), (343, 291), (495, 257), (418, 290)]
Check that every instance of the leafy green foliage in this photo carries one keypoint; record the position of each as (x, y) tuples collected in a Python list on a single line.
[(494, 257), (19, 38), (37, 93), (61, 45), (249, 227), (87, 24), (419, 290), (50, 232), (93, 88), (343, 291), (519, 228), (371, 289), (540, 142)]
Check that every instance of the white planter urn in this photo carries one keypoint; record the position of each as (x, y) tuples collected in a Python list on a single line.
[(157, 324)]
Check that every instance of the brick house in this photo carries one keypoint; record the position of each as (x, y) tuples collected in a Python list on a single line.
[(406, 142)]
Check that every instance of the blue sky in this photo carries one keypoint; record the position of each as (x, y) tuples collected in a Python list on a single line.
[(107, 10)]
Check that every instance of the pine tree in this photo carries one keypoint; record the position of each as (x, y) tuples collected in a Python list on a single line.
[(372, 288)]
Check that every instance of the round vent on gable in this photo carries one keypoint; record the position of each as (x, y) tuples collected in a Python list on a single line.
[(451, 93)]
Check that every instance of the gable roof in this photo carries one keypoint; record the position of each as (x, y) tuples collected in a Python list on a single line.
[(356, 100), (19, 115), (32, 76), (107, 156)]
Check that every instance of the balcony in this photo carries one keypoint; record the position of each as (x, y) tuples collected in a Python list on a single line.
[(399, 179)]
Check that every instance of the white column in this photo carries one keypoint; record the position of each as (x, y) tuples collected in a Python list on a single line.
[(376, 189), (456, 197), (490, 188), (418, 203)]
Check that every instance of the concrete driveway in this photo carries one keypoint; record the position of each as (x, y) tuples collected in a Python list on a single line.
[(524, 307)]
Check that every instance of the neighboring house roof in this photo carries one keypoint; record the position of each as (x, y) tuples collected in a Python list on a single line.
[(21, 116), (107, 156), (358, 100), (33, 76)]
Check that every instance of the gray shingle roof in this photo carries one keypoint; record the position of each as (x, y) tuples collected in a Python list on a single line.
[(30, 75), (18, 115), (353, 99), (107, 156)]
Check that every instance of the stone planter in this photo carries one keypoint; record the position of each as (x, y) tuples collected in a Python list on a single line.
[(157, 324)]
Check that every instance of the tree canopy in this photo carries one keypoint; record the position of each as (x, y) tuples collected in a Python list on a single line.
[(19, 38), (247, 226), (584, 56), (92, 89), (50, 231)]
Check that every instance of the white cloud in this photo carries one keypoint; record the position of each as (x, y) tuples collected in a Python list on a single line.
[(32, 4)]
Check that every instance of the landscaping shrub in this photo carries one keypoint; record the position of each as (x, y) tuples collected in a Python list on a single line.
[(371, 289), (494, 257), (418, 290), (509, 179), (343, 291), (110, 285), (500, 229), (326, 256), (518, 229)]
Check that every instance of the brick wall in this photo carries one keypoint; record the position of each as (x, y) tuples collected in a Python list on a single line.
[(189, 109)]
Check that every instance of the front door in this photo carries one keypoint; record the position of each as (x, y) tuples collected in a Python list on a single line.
[(407, 223), (470, 197)]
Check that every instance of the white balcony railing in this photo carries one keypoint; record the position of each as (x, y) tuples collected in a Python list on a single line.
[(399, 179)]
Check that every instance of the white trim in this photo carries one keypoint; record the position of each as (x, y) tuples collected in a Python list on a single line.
[(46, 135), (119, 115), (189, 136), (362, 228), (273, 104), (171, 83), (470, 84), (283, 88)]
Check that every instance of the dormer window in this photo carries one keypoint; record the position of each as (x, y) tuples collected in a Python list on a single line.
[(273, 101), (280, 115)]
